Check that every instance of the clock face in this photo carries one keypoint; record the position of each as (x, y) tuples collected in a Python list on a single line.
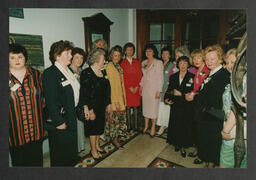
[(238, 81)]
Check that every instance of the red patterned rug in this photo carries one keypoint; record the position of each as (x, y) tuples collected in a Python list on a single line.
[(162, 163), (88, 161)]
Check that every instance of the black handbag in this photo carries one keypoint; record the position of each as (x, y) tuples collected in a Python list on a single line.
[(80, 113)]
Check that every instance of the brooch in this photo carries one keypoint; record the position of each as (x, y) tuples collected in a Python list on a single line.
[(202, 73), (11, 84), (207, 80)]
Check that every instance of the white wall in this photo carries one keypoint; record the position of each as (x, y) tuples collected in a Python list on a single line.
[(67, 24)]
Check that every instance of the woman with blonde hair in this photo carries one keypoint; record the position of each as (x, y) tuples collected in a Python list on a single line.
[(209, 101), (116, 119)]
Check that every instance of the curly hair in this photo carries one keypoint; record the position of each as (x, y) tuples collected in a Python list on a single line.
[(16, 48), (94, 55), (216, 48), (183, 58), (80, 51), (150, 46), (58, 47), (94, 44), (113, 49)]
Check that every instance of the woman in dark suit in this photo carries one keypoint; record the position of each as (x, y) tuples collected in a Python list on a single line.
[(61, 90), (95, 97), (209, 104), (179, 128)]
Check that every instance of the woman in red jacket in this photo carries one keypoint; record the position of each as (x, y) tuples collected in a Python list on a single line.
[(132, 76)]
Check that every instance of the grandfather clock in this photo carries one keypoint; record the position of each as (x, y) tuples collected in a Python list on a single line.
[(96, 27)]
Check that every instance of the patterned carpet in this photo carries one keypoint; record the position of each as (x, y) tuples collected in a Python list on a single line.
[(87, 160), (162, 163)]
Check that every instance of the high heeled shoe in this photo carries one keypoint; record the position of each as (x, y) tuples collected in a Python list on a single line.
[(192, 154), (144, 131), (183, 153), (152, 136), (198, 161), (176, 148), (96, 159)]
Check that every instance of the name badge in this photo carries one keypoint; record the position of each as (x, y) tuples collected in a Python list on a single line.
[(65, 83), (15, 87), (188, 85)]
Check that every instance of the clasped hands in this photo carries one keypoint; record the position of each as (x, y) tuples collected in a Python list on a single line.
[(133, 90)]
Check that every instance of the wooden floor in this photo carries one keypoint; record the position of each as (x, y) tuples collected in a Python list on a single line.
[(139, 153)]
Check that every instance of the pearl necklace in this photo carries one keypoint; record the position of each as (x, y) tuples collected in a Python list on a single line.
[(97, 72)]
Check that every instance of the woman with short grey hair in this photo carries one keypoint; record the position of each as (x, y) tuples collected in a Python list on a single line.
[(95, 99)]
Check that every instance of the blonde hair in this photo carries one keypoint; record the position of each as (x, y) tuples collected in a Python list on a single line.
[(197, 52), (216, 48), (184, 51), (230, 52)]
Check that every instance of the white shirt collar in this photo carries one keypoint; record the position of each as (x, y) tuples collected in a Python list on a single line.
[(129, 60), (215, 70)]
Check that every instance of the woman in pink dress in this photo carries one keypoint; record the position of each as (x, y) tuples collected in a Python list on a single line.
[(132, 76), (151, 86)]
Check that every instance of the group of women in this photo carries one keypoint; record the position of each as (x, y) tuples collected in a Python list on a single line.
[(99, 98)]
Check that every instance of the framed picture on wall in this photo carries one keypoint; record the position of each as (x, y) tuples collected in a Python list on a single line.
[(96, 27), (34, 47), (16, 12)]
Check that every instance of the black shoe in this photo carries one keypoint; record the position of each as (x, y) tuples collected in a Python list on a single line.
[(183, 154), (192, 154), (176, 149), (198, 161), (96, 159), (152, 136)]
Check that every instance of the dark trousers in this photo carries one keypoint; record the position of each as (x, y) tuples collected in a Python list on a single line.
[(30, 154), (63, 148)]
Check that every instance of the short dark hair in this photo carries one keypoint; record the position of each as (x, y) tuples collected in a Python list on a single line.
[(129, 44), (150, 46), (182, 58), (80, 51), (16, 48), (58, 47)]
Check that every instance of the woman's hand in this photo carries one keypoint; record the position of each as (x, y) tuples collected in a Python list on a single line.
[(92, 115), (109, 108), (86, 113), (131, 90), (62, 126), (158, 95), (177, 93), (135, 89), (168, 101), (226, 136), (117, 106)]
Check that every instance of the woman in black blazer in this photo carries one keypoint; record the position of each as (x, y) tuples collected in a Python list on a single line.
[(179, 128), (61, 91), (209, 107)]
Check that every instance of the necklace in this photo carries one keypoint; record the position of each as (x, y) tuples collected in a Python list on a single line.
[(97, 71)]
